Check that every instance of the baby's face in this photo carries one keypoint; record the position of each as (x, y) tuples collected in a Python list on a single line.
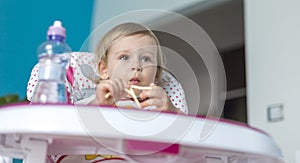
[(133, 59)]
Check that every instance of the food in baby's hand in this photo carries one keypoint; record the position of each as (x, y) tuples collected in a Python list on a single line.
[(132, 94)]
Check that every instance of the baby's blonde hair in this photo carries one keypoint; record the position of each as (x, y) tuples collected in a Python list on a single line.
[(124, 30)]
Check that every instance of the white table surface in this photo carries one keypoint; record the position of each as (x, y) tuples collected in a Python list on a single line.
[(34, 131)]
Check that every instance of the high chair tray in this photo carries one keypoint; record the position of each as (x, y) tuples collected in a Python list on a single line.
[(32, 132)]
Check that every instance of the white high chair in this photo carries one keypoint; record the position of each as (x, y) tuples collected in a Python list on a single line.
[(31, 132)]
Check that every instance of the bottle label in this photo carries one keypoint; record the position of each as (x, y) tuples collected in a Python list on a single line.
[(51, 70), (50, 92)]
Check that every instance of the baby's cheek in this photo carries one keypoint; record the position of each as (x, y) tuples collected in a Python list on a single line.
[(149, 75), (118, 71)]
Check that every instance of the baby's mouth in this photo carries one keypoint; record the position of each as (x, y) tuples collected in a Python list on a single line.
[(134, 81)]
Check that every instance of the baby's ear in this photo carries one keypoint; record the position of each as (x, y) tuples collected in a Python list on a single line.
[(102, 70)]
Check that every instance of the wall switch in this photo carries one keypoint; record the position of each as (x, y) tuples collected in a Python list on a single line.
[(275, 113)]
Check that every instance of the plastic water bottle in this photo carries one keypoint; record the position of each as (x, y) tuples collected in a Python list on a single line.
[(53, 55)]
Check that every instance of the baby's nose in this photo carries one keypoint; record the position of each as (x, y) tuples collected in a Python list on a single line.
[(136, 65), (137, 68)]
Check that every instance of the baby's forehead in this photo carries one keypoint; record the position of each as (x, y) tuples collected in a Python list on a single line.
[(139, 37), (136, 42)]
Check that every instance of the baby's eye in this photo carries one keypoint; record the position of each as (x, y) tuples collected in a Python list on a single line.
[(124, 57), (146, 59)]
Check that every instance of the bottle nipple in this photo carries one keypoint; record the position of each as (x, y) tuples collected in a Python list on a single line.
[(57, 23)]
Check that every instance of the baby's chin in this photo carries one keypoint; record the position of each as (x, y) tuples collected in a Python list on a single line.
[(137, 92)]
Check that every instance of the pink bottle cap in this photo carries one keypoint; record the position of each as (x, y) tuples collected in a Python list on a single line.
[(57, 29)]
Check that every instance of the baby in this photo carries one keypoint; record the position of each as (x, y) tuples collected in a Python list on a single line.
[(130, 55)]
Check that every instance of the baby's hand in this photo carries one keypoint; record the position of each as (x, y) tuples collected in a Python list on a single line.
[(116, 89), (157, 97)]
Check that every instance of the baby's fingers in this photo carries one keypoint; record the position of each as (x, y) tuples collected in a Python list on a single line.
[(118, 88), (101, 89), (160, 104), (149, 102), (155, 92)]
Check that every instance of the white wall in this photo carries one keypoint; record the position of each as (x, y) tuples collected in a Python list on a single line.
[(105, 10), (273, 69)]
